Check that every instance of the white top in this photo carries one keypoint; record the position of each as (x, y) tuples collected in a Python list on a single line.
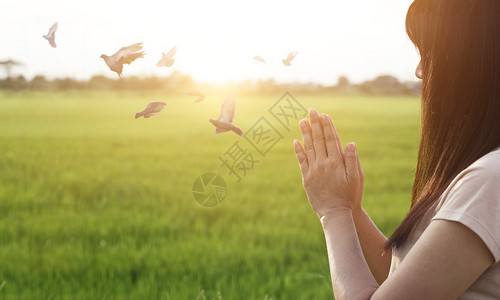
[(473, 199)]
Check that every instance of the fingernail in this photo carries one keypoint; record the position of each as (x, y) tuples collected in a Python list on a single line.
[(351, 147), (296, 145), (302, 123)]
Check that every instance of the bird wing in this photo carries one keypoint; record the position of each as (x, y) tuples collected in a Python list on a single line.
[(162, 61), (228, 110), (219, 130), (237, 130), (155, 107), (126, 51), (258, 58), (52, 29), (291, 55), (152, 110), (170, 63), (171, 52)]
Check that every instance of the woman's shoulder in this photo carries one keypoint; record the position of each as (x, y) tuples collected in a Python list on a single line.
[(473, 199), (478, 183), (486, 167), (481, 177)]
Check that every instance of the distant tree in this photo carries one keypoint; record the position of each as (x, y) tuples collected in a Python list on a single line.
[(67, 84), (384, 85), (39, 82), (14, 83), (100, 82), (343, 83), (7, 65), (267, 86), (178, 81), (386, 81)]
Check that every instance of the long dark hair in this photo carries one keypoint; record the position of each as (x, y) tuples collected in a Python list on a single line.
[(459, 45)]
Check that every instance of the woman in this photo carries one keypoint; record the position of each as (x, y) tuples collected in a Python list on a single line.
[(448, 246)]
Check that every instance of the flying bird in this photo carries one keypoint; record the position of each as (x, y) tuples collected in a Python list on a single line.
[(201, 97), (289, 58), (226, 117), (51, 35), (152, 109), (125, 55), (258, 58), (167, 60)]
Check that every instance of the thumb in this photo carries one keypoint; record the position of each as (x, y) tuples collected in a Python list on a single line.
[(351, 161), (301, 157)]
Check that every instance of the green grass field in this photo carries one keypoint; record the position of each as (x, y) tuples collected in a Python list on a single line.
[(97, 205)]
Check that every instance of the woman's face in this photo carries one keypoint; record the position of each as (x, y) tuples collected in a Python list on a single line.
[(418, 70)]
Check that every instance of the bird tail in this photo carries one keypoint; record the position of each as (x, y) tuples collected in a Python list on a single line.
[(137, 115), (237, 130)]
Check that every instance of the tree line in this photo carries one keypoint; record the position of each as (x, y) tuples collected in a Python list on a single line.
[(180, 83)]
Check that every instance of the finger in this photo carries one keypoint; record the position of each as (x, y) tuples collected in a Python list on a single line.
[(334, 146), (360, 170), (351, 162), (317, 134), (330, 137), (301, 157), (337, 138), (305, 128)]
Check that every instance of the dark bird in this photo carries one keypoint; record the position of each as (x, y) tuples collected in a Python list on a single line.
[(51, 35), (289, 58), (226, 117), (152, 109), (125, 55)]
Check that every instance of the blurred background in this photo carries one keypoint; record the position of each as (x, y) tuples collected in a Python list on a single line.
[(97, 205)]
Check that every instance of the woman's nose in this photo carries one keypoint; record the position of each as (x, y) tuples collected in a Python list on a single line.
[(418, 71)]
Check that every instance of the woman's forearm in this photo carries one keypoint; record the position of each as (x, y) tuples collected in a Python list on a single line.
[(351, 276), (333, 181), (372, 243)]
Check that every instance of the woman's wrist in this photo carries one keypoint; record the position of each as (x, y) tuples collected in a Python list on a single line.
[(357, 213), (326, 217)]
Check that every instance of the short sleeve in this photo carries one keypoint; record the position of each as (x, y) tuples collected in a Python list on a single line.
[(474, 201)]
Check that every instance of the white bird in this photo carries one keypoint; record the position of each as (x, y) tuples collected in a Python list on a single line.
[(152, 109), (226, 117), (50, 36), (167, 60), (201, 97), (258, 58), (289, 58), (125, 55)]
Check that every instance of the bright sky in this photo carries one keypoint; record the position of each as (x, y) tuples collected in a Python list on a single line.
[(215, 39)]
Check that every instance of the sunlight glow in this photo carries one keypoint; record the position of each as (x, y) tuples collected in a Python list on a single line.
[(215, 40)]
